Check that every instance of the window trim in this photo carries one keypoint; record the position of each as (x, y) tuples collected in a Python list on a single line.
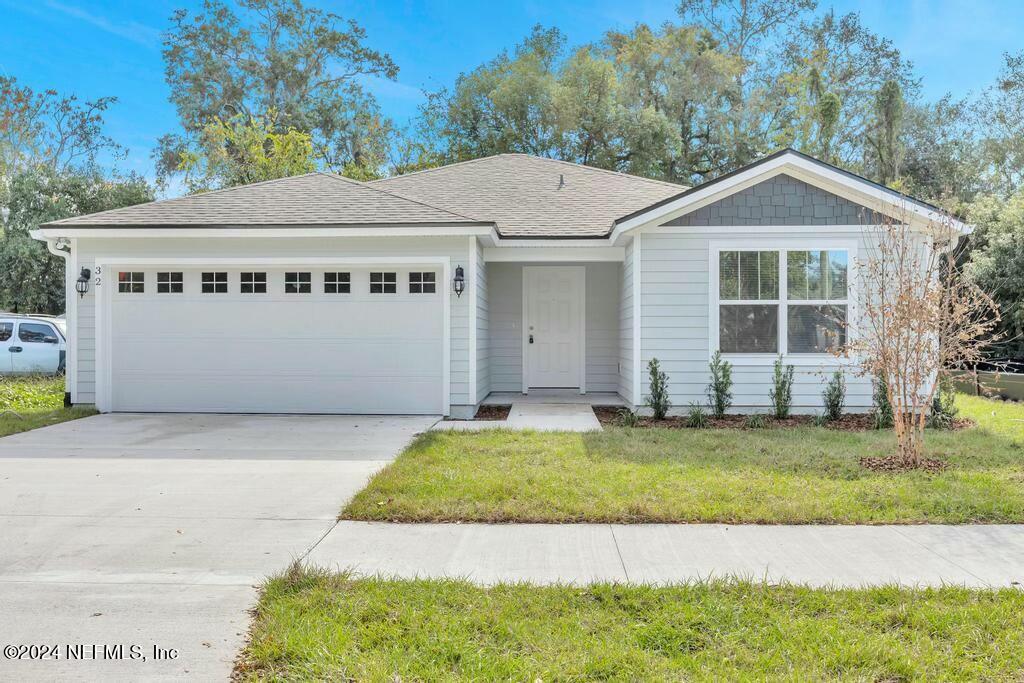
[(170, 281), (131, 282), (338, 282), (298, 282), (783, 247), (215, 282), (254, 283), (384, 282), (423, 282)]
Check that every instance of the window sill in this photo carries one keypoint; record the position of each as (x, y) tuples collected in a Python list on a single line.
[(794, 359)]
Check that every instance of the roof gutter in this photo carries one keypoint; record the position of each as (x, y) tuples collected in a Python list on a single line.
[(55, 230)]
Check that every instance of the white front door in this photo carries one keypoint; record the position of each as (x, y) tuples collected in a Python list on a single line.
[(553, 315)]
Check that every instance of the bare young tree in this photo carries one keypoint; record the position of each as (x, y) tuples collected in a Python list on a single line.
[(921, 320)]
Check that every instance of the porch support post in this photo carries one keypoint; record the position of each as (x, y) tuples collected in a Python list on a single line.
[(473, 273), (637, 321)]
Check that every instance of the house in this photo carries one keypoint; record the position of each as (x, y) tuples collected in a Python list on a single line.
[(428, 292)]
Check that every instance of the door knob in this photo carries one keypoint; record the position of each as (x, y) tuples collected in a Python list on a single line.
[(531, 338)]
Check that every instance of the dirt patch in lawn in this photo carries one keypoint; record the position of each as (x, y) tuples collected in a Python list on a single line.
[(853, 422), (896, 465)]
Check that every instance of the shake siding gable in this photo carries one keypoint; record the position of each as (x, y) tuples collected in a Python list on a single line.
[(781, 200)]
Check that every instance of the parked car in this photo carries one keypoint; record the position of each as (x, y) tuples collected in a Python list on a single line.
[(32, 344)]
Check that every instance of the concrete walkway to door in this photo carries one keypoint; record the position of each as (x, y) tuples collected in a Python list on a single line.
[(978, 556), (155, 530), (541, 417)]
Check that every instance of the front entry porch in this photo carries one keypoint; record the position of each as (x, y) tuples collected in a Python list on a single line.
[(554, 396), (553, 334)]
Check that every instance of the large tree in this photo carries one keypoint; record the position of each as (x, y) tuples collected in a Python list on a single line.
[(50, 150), (757, 33), (997, 262), (1000, 118), (242, 150), (302, 67), (653, 103), (31, 278), (44, 129)]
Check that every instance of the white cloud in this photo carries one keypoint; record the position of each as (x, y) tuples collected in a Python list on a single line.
[(130, 30)]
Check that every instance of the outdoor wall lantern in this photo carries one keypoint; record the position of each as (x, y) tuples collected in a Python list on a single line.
[(82, 286), (459, 283)]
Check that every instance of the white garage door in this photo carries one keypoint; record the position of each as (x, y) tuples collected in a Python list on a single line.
[(289, 340)]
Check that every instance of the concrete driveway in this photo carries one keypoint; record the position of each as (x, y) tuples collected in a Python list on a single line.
[(154, 531)]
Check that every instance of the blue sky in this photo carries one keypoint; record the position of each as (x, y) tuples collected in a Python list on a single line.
[(112, 47)]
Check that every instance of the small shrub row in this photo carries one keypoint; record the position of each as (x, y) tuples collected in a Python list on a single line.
[(719, 394)]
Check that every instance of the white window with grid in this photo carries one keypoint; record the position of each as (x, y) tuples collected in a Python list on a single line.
[(793, 299)]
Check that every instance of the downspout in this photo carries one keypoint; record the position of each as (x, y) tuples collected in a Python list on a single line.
[(60, 246)]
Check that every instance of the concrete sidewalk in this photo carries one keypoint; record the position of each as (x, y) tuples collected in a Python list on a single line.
[(977, 556)]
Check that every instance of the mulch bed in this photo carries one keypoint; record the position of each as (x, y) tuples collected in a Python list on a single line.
[(898, 465), (854, 422), (492, 413)]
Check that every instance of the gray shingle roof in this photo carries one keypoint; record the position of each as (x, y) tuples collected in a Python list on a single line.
[(312, 199), (528, 196)]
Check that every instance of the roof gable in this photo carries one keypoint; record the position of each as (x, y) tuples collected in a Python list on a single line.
[(533, 197), (307, 200), (871, 196), (780, 200)]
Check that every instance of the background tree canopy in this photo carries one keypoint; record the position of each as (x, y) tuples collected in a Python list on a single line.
[(270, 88), (276, 60)]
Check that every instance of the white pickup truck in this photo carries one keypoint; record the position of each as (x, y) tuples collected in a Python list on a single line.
[(31, 344)]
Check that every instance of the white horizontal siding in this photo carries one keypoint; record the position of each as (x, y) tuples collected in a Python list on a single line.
[(457, 249), (674, 327)]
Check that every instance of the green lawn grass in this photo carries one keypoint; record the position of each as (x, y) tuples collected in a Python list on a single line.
[(30, 402), (316, 626), (800, 475)]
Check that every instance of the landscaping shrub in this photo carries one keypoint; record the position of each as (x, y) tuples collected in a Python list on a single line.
[(720, 389), (944, 410), (627, 418), (756, 421), (658, 400), (834, 396), (696, 418), (881, 411), (781, 392), (819, 420)]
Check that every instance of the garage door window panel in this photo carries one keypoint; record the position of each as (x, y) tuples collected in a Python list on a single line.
[(298, 283), (253, 283), (383, 283), (422, 283), (170, 283), (131, 282), (337, 283), (215, 282)]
